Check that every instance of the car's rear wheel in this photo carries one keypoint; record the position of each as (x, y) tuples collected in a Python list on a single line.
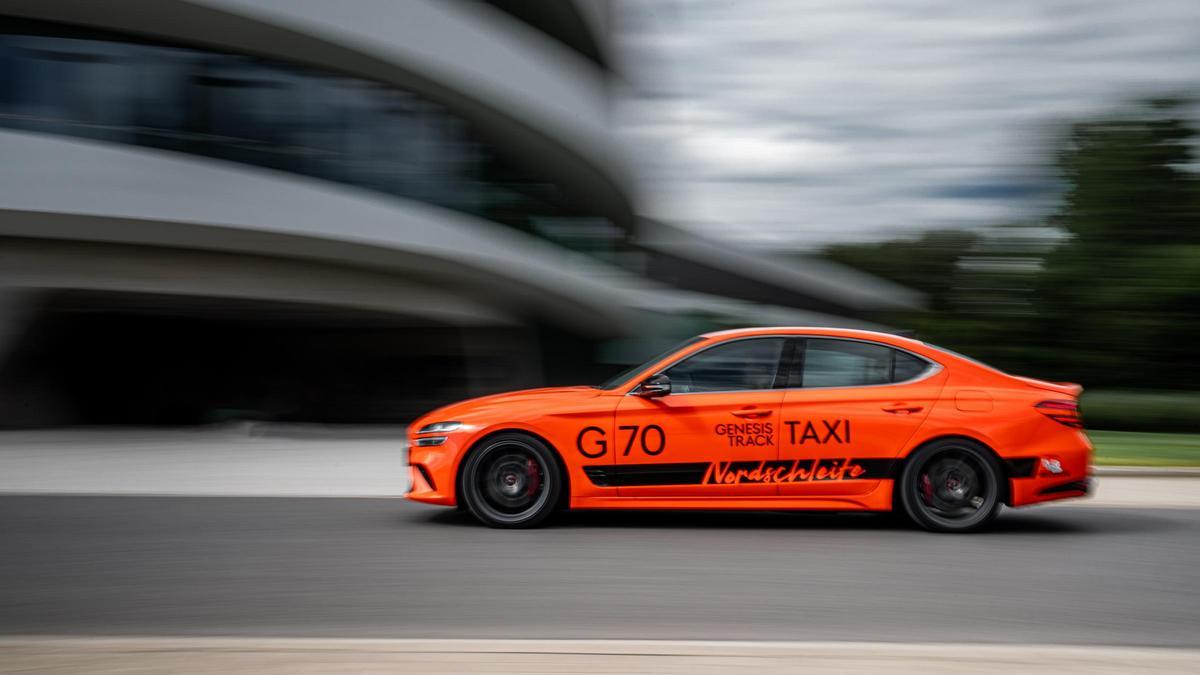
[(511, 480), (951, 485)]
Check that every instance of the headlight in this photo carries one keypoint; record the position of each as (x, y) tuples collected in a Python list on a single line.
[(439, 427)]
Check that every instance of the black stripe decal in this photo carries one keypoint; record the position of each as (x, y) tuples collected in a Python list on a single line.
[(743, 472), (616, 475)]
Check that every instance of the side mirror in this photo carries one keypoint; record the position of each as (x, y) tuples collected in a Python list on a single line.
[(653, 387)]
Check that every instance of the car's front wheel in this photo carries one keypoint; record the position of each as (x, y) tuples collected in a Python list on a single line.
[(951, 486), (511, 480)]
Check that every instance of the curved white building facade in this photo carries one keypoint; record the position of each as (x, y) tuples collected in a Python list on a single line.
[(335, 211), (212, 172)]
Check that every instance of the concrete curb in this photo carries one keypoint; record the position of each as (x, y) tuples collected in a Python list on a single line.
[(1149, 471), (104, 655)]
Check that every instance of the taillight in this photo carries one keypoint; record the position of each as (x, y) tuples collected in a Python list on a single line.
[(1062, 411)]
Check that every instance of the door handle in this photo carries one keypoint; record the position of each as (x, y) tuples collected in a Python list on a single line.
[(902, 409), (752, 412)]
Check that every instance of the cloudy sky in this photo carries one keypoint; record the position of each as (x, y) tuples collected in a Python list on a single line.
[(793, 123)]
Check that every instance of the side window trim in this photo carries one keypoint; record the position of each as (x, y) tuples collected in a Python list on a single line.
[(786, 365), (795, 379)]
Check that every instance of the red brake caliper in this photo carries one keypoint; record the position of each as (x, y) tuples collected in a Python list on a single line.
[(535, 480), (927, 488)]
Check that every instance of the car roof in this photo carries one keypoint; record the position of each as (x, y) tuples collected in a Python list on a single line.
[(890, 338)]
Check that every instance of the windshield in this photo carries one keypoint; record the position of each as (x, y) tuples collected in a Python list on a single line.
[(624, 376)]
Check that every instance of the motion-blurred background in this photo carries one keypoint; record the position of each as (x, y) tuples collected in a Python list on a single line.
[(243, 242), (308, 211)]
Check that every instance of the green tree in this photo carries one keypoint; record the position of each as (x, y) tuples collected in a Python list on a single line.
[(1106, 291), (1119, 300), (925, 263)]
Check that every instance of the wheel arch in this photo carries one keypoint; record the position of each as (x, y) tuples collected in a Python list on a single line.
[(1006, 478), (564, 500)]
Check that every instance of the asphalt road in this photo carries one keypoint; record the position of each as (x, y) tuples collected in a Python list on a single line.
[(388, 568)]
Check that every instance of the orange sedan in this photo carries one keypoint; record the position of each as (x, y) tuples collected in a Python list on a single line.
[(764, 418)]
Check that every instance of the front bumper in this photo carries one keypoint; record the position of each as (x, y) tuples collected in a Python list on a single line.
[(432, 471)]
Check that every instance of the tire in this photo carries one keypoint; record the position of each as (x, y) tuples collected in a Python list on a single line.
[(952, 485), (511, 480)]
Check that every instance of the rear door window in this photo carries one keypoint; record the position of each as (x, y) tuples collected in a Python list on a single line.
[(907, 367), (847, 363)]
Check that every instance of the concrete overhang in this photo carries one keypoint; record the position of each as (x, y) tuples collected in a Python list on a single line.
[(307, 287), (80, 190)]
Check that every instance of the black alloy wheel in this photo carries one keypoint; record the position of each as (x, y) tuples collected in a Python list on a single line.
[(951, 486), (511, 481)]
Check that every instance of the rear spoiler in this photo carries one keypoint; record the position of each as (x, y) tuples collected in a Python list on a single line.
[(1066, 388)]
